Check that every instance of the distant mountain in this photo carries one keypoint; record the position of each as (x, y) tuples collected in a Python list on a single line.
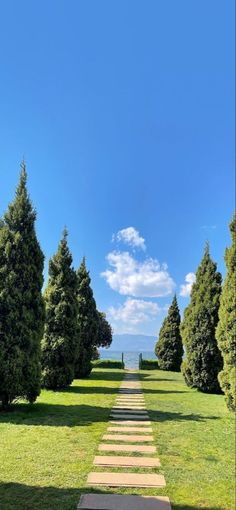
[(128, 342)]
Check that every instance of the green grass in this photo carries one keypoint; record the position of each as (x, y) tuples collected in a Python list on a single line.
[(47, 449), (195, 442)]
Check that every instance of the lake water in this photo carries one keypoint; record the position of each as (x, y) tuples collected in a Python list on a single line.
[(131, 358)]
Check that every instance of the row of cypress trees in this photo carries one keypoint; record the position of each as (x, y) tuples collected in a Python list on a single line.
[(208, 329), (44, 339)]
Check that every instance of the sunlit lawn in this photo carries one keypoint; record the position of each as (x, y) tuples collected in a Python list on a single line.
[(195, 440), (47, 449)]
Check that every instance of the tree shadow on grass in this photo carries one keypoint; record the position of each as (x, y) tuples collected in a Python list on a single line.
[(90, 389), (51, 415), (111, 390), (161, 416), (146, 390), (25, 497)]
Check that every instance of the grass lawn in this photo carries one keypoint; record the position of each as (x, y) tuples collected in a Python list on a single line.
[(47, 449)]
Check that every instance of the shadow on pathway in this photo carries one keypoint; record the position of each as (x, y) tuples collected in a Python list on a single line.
[(25, 497)]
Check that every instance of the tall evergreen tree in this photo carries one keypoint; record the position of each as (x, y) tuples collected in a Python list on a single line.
[(21, 302), (60, 341), (203, 359), (226, 329), (104, 333), (88, 322), (169, 347)]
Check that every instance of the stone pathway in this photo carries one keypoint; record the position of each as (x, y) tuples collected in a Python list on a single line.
[(129, 423)]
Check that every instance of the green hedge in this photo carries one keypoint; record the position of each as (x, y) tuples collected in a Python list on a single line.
[(108, 363), (149, 364)]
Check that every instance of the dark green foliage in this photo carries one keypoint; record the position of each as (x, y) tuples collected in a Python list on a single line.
[(88, 323), (149, 364), (104, 334), (203, 359), (60, 341), (108, 363), (21, 302), (226, 329), (169, 347)]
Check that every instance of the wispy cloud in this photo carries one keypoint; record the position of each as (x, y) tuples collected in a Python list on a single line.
[(131, 237), (130, 277), (185, 289)]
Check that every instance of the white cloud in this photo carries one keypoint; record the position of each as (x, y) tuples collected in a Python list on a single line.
[(134, 311), (130, 277), (131, 237), (186, 288)]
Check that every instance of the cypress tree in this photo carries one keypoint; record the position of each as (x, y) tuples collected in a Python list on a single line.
[(21, 302), (104, 333), (87, 321), (226, 329), (59, 345), (169, 347), (203, 359)]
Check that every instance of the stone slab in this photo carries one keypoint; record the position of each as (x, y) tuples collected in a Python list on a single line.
[(130, 383), (130, 399), (122, 502), (126, 396), (128, 388), (130, 391), (140, 448), (126, 480), (126, 416), (132, 438), (120, 461), (130, 407), (129, 429), (133, 402), (130, 422), (129, 411), (130, 403)]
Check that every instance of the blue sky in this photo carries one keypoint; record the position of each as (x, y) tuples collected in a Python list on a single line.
[(124, 112)]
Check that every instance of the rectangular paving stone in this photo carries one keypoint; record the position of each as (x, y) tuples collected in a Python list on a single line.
[(134, 402), (122, 502), (120, 461), (130, 384), (126, 416), (131, 404), (130, 388), (124, 396), (130, 399), (131, 391), (129, 411), (140, 448), (129, 429), (128, 402), (132, 438), (130, 422), (126, 480), (130, 407)]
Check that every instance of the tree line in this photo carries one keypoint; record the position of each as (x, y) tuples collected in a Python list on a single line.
[(207, 334), (46, 339)]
